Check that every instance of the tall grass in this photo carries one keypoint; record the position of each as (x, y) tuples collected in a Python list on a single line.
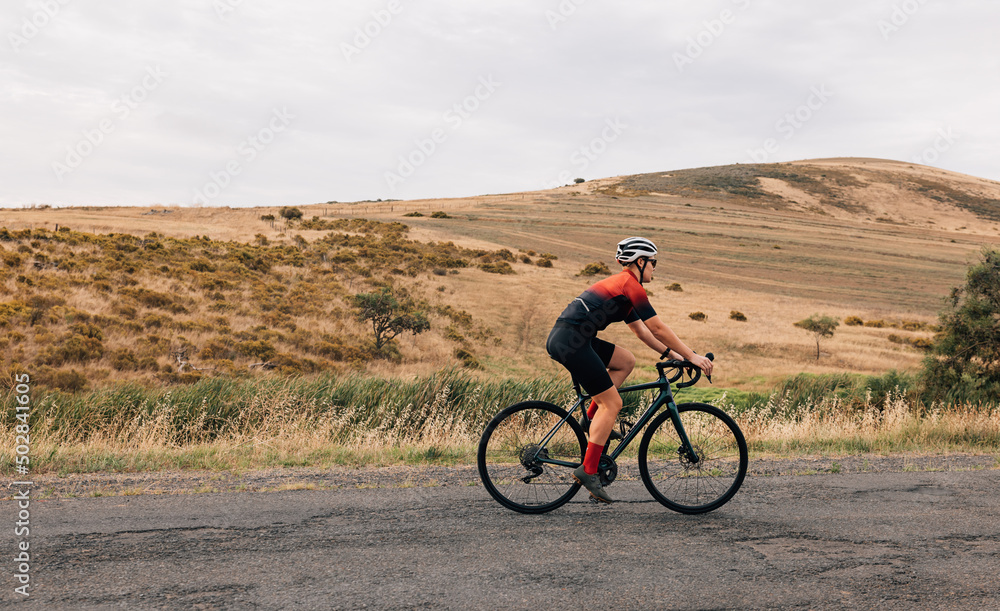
[(222, 423), (893, 423), (233, 423)]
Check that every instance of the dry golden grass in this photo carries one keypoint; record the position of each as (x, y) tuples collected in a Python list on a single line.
[(894, 427), (279, 430), (773, 259)]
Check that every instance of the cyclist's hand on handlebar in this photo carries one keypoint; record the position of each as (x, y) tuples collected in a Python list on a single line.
[(703, 363)]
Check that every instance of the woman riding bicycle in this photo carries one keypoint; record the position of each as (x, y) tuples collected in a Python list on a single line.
[(600, 366)]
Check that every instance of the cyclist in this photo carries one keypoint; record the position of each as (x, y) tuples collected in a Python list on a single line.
[(600, 366)]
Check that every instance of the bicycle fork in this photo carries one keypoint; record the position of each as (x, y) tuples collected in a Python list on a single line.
[(686, 450)]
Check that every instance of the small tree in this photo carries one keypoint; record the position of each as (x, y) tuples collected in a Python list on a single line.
[(290, 214), (965, 364), (820, 326), (389, 316)]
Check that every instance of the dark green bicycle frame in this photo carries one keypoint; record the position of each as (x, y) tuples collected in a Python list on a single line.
[(666, 397)]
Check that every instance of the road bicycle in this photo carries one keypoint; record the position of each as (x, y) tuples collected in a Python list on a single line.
[(692, 457)]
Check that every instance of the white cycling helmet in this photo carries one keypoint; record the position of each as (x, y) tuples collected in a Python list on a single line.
[(631, 249)]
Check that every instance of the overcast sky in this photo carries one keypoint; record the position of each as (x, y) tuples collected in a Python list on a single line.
[(259, 102)]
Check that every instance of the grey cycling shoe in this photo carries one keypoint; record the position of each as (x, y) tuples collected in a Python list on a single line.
[(593, 484)]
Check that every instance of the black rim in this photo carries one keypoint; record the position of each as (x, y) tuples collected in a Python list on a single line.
[(684, 485), (507, 459)]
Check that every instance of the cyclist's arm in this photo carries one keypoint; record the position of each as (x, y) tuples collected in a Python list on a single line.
[(660, 331), (643, 333)]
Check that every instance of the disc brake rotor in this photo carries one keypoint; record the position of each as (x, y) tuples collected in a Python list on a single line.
[(686, 459)]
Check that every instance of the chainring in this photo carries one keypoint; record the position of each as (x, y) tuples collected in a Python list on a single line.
[(607, 469)]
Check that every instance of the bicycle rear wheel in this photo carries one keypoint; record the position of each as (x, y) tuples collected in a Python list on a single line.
[(509, 451), (684, 485)]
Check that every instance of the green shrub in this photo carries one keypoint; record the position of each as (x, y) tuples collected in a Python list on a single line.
[(124, 359), (467, 359), (336, 348), (202, 265), (76, 348), (87, 329), (218, 348), (500, 267), (853, 321), (675, 287), (738, 316), (440, 214), (69, 381), (699, 316), (593, 269), (965, 366), (261, 350)]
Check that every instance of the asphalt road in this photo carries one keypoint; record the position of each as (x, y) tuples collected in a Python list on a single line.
[(911, 540)]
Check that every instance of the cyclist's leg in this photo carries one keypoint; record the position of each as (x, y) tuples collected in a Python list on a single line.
[(609, 404), (621, 365), (617, 360)]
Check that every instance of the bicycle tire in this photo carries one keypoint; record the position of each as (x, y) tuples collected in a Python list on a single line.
[(509, 438), (678, 483)]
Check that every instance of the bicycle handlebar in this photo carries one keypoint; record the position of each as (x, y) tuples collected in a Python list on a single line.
[(682, 367)]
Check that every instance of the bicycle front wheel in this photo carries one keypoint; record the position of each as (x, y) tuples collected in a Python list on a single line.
[(513, 451), (693, 486)]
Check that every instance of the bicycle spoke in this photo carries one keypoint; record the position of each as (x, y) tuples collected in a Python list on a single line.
[(511, 459), (693, 486)]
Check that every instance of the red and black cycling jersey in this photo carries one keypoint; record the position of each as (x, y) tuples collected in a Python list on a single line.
[(619, 298)]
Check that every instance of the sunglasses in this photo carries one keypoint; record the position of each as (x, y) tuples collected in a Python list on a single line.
[(653, 261)]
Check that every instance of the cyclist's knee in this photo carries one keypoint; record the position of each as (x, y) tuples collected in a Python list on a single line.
[(629, 363), (622, 360), (612, 403)]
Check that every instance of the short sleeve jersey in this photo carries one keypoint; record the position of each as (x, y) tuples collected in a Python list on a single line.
[(619, 298)]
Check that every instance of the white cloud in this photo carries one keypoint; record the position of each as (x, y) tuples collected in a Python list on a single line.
[(561, 79)]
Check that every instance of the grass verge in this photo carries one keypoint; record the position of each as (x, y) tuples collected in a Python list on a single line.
[(239, 425)]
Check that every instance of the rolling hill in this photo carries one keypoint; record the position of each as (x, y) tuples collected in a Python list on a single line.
[(878, 240)]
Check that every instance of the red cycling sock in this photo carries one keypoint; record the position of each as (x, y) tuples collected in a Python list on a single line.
[(592, 409), (592, 459)]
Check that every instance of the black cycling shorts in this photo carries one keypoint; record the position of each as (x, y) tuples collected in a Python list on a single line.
[(586, 358)]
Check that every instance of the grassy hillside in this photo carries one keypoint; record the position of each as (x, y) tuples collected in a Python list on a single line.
[(227, 338), (83, 309), (95, 295)]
